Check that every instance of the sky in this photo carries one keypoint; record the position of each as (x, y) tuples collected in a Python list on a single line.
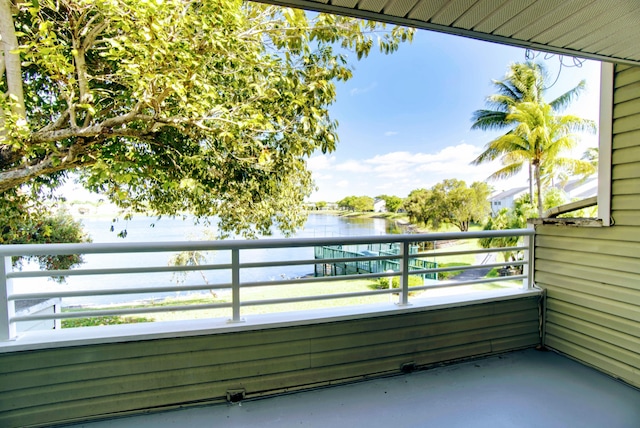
[(405, 118)]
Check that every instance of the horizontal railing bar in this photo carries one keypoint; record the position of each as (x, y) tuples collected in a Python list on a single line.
[(128, 311), (471, 282), (469, 267), (318, 279), (115, 271), (202, 287), (376, 275), (169, 308), (318, 261), (463, 252), (172, 246), (252, 265), (208, 267), (116, 291), (227, 266), (317, 297)]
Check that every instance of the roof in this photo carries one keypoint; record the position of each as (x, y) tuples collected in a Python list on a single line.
[(604, 29), (579, 182), (508, 193), (587, 192)]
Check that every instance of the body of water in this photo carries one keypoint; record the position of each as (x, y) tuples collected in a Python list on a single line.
[(140, 229)]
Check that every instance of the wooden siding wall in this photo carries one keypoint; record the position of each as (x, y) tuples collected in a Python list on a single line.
[(39, 388), (592, 276)]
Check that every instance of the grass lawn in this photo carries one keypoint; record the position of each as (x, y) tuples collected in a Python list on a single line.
[(247, 295)]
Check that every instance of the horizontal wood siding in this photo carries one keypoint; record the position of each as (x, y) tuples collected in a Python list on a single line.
[(43, 387), (592, 276)]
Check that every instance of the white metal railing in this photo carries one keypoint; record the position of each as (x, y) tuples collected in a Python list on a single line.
[(233, 265)]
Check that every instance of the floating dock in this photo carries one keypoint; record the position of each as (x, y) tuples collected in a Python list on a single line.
[(337, 268)]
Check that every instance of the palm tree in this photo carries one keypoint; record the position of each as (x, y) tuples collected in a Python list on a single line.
[(536, 135)]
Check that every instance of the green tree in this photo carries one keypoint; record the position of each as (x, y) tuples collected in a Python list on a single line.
[(514, 218), (356, 203), (393, 203), (320, 205), (347, 203), (537, 136), (468, 204), (29, 221), (364, 203), (450, 201), (418, 205), (210, 107)]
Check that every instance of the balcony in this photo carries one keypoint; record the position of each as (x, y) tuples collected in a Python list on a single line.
[(524, 389), (81, 374), (244, 265)]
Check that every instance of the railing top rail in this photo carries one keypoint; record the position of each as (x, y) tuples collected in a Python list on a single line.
[(142, 247)]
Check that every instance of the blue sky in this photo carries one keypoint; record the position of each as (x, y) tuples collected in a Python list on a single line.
[(405, 118)]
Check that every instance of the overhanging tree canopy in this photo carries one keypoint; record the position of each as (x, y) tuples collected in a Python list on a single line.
[(208, 107)]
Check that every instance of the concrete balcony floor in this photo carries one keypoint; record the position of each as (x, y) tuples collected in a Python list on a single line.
[(518, 389)]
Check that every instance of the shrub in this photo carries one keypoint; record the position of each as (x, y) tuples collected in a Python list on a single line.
[(106, 320), (383, 283)]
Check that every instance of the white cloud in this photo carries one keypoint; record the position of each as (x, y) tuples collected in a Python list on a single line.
[(398, 173), (358, 91), (353, 166), (390, 133), (320, 176), (320, 163), (453, 159)]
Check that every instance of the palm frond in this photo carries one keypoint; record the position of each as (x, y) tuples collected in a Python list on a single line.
[(568, 97), (507, 172), (489, 120), (506, 89), (577, 124)]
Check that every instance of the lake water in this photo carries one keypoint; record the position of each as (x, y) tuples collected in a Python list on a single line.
[(140, 230), (145, 229)]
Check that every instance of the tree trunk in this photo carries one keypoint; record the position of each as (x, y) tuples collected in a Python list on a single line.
[(2, 130), (530, 183), (13, 70), (539, 188)]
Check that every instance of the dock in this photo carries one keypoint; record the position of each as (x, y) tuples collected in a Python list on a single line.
[(336, 268)]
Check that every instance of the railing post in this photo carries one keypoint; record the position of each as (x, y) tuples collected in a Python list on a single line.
[(404, 275), (235, 286), (7, 308), (529, 242)]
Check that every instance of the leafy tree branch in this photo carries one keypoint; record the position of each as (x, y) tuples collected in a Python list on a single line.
[(208, 107)]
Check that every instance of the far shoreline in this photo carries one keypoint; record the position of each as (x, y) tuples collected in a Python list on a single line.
[(401, 219), (87, 210)]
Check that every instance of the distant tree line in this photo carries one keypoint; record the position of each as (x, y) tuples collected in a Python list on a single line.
[(450, 202)]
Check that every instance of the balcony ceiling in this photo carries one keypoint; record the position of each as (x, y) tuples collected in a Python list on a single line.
[(607, 30)]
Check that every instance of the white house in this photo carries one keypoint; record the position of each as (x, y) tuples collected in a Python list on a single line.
[(38, 307), (578, 188), (379, 206), (506, 198)]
